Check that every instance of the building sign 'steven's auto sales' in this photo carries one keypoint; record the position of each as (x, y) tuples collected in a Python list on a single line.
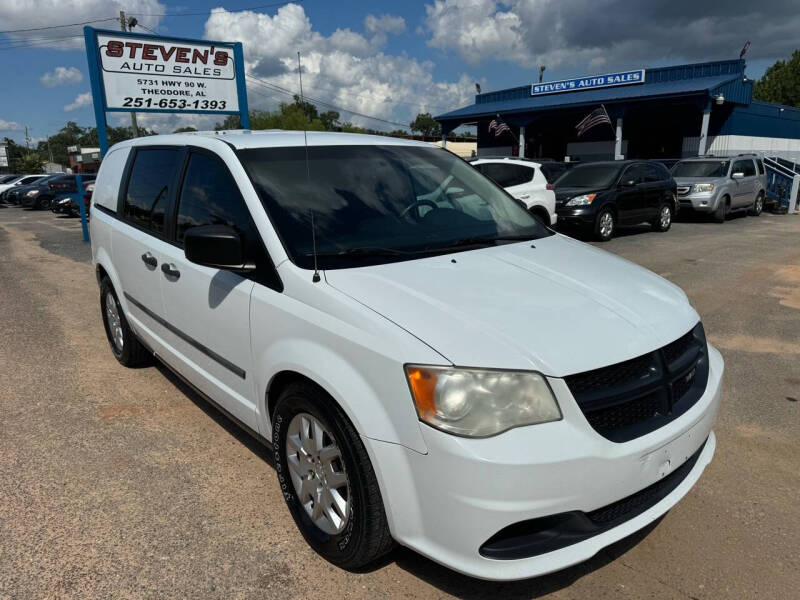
[(588, 83), (153, 73)]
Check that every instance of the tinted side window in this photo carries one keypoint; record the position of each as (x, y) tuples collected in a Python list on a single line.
[(634, 172), (652, 174), (525, 174), (760, 164), (749, 168), (210, 196), (148, 187), (504, 175)]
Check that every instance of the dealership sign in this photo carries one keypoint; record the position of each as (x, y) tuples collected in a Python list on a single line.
[(588, 83), (131, 72)]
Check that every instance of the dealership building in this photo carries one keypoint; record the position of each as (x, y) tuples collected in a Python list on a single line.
[(663, 112)]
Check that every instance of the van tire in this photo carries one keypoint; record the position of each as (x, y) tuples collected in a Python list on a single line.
[(365, 536), (132, 353)]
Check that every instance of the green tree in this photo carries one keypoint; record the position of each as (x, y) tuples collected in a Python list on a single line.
[(30, 162), (426, 125), (781, 82), (185, 129), (330, 120)]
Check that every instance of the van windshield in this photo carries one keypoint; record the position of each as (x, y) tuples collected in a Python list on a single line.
[(589, 176), (701, 168), (381, 203)]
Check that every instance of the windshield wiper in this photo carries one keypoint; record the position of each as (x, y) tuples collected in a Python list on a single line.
[(485, 240), (360, 251)]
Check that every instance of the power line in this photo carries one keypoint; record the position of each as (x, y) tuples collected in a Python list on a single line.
[(42, 42), (57, 26), (293, 93)]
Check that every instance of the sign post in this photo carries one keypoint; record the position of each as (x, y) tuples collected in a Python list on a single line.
[(133, 72)]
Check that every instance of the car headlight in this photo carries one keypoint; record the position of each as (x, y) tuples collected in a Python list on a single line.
[(581, 200), (480, 402), (33, 193), (703, 187)]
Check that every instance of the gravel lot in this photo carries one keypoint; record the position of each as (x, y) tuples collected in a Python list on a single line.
[(122, 483)]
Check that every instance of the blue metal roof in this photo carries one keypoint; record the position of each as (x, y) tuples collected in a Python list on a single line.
[(703, 79)]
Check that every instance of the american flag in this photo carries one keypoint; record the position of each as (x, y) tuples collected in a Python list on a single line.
[(498, 126), (596, 117)]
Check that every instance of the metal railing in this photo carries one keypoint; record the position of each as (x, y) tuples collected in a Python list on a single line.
[(783, 181)]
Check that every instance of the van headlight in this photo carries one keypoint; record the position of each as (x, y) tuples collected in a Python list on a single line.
[(582, 200), (703, 187), (480, 402)]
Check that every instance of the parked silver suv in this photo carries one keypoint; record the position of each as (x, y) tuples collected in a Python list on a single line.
[(719, 185)]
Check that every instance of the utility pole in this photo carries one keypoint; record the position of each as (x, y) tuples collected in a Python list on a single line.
[(27, 138), (123, 23), (541, 73)]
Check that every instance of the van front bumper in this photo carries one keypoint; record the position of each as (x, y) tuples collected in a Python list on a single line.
[(457, 503)]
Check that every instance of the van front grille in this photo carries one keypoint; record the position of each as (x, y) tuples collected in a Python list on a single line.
[(632, 398)]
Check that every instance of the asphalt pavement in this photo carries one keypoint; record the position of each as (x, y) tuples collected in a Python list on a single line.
[(121, 483)]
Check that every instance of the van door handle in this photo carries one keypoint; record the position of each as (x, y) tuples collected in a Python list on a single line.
[(149, 260), (170, 271)]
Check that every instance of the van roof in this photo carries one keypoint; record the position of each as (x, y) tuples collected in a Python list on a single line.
[(271, 138)]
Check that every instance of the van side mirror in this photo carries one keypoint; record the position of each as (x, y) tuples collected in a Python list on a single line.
[(737, 175), (217, 246)]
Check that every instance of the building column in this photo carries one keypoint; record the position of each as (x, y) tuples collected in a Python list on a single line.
[(704, 132), (522, 142), (444, 140), (618, 140)]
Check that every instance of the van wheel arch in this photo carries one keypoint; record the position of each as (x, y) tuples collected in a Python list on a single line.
[(282, 380)]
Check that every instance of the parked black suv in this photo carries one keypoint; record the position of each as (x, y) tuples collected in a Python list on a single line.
[(44, 192), (600, 196)]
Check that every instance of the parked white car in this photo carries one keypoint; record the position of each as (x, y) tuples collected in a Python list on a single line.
[(428, 362), (525, 181), (21, 180)]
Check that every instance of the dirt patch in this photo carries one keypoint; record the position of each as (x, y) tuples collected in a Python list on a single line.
[(118, 411), (757, 345)]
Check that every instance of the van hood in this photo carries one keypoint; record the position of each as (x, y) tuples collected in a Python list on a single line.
[(560, 307)]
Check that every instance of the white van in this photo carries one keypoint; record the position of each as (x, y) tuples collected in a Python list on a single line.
[(430, 364)]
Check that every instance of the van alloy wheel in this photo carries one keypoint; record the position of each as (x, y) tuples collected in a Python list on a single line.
[(114, 322), (317, 472)]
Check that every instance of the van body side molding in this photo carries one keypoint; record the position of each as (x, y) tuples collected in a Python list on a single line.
[(188, 339)]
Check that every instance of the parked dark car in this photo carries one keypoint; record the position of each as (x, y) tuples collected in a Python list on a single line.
[(597, 197), (43, 193), (68, 205), (13, 185)]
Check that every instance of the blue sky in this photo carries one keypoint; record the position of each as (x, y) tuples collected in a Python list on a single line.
[(385, 59)]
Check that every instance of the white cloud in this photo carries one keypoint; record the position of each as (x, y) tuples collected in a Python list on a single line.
[(385, 24), (603, 34), (9, 125), (61, 76), (347, 68), (31, 14), (80, 101)]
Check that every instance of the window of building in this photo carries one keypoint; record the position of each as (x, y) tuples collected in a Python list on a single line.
[(148, 187)]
